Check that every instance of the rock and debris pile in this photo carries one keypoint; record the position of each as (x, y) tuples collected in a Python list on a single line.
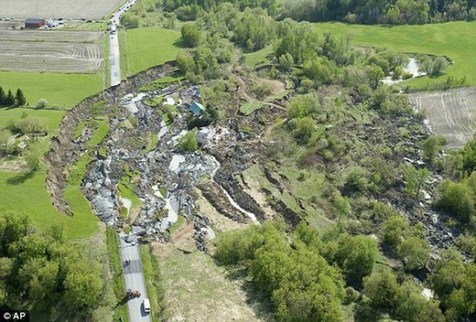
[(101, 191), (64, 149), (167, 176)]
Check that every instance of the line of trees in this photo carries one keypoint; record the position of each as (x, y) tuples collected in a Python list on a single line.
[(355, 11), (8, 99)]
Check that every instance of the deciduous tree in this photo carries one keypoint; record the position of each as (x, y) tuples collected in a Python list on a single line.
[(356, 256), (455, 198), (382, 288), (414, 252), (190, 34)]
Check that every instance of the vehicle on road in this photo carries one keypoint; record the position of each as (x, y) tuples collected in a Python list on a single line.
[(146, 304)]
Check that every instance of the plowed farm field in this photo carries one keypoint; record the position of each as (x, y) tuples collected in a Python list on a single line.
[(450, 113), (75, 9), (51, 51)]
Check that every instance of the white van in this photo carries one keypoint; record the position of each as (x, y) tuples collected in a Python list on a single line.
[(146, 304)]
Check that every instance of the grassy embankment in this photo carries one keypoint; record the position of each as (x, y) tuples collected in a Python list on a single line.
[(77, 202), (258, 57), (143, 48), (118, 279), (26, 193), (452, 39), (153, 282)]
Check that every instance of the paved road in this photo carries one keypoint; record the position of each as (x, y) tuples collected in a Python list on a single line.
[(134, 278), (114, 59), (114, 54)]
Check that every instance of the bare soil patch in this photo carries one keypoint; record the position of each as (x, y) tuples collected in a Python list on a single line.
[(451, 113), (50, 51), (4, 25), (51, 35), (219, 222), (275, 85), (196, 289), (66, 9)]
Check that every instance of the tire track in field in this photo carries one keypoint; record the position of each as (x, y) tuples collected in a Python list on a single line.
[(49, 56), (450, 113)]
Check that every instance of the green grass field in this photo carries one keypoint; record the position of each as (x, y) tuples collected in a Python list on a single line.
[(152, 277), (62, 90), (24, 194), (52, 117), (452, 39), (148, 47)]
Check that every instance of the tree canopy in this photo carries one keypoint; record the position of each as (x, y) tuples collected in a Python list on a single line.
[(42, 270)]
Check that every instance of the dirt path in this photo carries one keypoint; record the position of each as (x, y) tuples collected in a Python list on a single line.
[(243, 92)]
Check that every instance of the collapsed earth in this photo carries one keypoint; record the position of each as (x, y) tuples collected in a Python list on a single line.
[(255, 162)]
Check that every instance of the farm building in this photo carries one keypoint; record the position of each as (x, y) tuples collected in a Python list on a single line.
[(34, 23), (196, 108)]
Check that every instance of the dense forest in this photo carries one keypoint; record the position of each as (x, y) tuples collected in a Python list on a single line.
[(364, 11)]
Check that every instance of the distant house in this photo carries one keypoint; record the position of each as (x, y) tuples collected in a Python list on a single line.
[(34, 23), (196, 108)]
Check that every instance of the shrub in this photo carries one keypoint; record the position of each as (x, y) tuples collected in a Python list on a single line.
[(28, 125), (356, 180), (456, 198), (189, 141), (42, 103)]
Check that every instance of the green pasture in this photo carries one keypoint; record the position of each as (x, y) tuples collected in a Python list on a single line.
[(147, 47), (61, 90), (151, 271), (23, 193), (52, 118), (453, 39)]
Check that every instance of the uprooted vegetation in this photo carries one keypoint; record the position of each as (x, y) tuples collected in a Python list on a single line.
[(349, 171)]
